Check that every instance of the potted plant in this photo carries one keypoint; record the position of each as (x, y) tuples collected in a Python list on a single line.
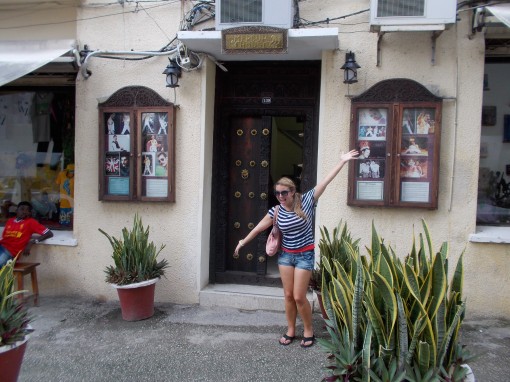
[(393, 319), (135, 271), (14, 326)]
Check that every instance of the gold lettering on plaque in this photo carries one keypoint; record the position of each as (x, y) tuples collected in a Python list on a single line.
[(254, 41)]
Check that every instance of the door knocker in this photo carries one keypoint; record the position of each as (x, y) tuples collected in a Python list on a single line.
[(244, 174)]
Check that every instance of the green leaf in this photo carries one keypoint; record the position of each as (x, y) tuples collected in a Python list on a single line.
[(424, 357), (458, 276), (356, 304), (438, 286), (390, 302), (365, 357)]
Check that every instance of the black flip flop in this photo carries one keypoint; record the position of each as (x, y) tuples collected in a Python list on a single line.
[(307, 339), (287, 338)]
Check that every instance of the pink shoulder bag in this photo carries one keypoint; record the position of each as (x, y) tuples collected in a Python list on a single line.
[(274, 240)]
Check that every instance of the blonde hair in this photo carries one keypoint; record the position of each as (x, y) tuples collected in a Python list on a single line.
[(296, 207)]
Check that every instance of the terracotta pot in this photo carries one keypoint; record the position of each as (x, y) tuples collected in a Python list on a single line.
[(10, 361), (137, 300)]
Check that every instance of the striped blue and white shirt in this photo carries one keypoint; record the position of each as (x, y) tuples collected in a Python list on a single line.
[(297, 232)]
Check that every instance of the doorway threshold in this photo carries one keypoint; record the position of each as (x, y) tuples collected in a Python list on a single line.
[(246, 297)]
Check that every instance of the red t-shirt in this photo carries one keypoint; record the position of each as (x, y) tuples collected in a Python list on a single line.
[(17, 234)]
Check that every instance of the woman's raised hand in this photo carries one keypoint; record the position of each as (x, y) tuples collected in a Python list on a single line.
[(350, 155)]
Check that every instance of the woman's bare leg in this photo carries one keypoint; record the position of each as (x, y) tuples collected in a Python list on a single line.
[(287, 276), (301, 283)]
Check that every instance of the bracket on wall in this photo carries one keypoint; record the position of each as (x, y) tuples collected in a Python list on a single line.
[(379, 53), (434, 37)]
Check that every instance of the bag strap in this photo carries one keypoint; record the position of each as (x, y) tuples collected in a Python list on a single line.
[(276, 215)]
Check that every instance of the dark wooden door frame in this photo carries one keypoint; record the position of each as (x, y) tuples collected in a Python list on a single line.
[(294, 91)]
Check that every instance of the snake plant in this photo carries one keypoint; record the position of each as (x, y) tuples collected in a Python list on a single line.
[(135, 258), (14, 319), (397, 318)]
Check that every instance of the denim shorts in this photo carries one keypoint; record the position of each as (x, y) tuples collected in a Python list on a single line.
[(301, 260)]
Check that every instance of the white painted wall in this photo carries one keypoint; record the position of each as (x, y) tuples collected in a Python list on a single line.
[(184, 225)]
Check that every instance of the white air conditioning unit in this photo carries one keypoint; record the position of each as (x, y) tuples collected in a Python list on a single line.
[(412, 12), (238, 13)]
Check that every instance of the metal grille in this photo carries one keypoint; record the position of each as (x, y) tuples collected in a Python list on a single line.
[(241, 11), (390, 8)]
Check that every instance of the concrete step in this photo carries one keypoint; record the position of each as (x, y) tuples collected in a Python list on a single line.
[(247, 297)]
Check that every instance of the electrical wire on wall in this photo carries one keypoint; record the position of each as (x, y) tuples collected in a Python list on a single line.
[(200, 12)]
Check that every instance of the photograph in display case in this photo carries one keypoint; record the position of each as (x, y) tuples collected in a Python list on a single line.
[(372, 133), (155, 143), (112, 164), (373, 117), (369, 168), (148, 163), (413, 168), (124, 164), (161, 164), (372, 124), (418, 121), (155, 123), (371, 149), (414, 146), (117, 123), (118, 143)]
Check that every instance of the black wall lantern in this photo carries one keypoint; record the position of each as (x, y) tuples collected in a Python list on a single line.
[(173, 72), (350, 69)]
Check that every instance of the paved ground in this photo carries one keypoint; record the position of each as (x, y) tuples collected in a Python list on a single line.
[(79, 340)]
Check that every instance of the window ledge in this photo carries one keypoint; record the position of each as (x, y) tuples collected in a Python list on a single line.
[(64, 238), (488, 234)]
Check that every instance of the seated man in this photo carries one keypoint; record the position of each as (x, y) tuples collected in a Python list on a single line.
[(17, 235)]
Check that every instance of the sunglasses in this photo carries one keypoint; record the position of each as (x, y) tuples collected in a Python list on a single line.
[(282, 193)]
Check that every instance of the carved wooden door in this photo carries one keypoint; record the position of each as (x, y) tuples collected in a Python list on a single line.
[(248, 190)]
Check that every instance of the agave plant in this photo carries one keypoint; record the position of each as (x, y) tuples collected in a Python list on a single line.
[(14, 318), (334, 246), (135, 258), (399, 318)]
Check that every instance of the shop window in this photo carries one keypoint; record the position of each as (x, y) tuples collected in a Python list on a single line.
[(136, 146), (37, 154), (396, 127), (494, 172)]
